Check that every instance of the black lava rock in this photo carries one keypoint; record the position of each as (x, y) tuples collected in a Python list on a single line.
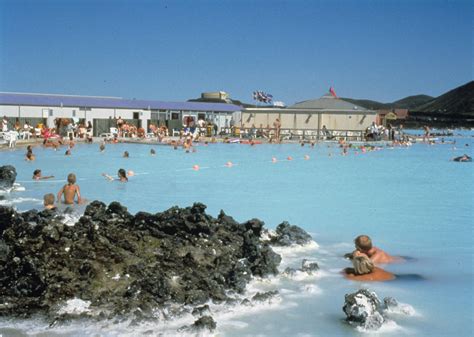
[(7, 176), (123, 263), (287, 235)]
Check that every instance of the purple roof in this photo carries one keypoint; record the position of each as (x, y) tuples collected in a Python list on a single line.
[(110, 102)]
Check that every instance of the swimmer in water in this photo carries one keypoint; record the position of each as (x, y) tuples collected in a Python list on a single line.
[(102, 147), (48, 202), (126, 154), (70, 190), (68, 152), (363, 245), (30, 156), (365, 270), (37, 175), (152, 152), (122, 176)]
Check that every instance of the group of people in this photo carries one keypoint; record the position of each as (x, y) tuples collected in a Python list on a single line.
[(380, 132), (365, 259)]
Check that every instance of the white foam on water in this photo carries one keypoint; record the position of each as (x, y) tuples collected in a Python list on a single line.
[(14, 201), (305, 291), (403, 309), (75, 306), (388, 327), (300, 275), (42, 181)]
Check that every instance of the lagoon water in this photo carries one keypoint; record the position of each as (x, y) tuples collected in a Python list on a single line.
[(412, 201)]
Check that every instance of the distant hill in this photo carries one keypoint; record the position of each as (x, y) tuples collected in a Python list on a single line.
[(367, 103), (457, 101), (409, 102), (412, 102)]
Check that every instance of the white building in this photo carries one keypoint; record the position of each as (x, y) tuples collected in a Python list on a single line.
[(102, 111)]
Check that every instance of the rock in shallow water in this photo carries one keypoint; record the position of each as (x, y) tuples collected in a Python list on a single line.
[(287, 235), (121, 263), (363, 309)]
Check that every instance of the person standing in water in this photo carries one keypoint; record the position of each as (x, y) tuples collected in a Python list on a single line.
[(70, 190)]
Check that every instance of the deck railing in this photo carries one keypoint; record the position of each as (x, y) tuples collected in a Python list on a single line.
[(297, 134)]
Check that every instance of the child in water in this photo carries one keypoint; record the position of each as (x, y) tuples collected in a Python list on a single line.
[(70, 191), (48, 201)]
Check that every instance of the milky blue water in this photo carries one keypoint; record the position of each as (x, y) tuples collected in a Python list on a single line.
[(412, 201)]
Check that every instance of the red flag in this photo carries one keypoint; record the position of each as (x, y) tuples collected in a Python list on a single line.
[(331, 90)]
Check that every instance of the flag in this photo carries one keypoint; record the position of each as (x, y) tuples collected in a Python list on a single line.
[(262, 96), (331, 90)]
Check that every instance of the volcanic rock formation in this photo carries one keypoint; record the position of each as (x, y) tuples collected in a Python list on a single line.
[(122, 263)]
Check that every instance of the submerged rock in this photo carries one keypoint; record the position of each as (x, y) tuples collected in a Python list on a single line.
[(122, 263), (309, 266), (287, 235), (203, 323), (7, 176)]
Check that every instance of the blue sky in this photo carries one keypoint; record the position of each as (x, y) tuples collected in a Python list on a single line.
[(295, 50)]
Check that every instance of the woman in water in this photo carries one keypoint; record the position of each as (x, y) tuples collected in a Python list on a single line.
[(365, 270), (122, 176)]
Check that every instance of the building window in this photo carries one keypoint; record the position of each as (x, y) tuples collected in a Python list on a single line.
[(155, 115), (50, 113), (175, 115), (73, 113)]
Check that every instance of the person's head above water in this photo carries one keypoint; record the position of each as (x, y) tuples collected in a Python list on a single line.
[(125, 154), (48, 200), (71, 178), (122, 174), (363, 243), (362, 265)]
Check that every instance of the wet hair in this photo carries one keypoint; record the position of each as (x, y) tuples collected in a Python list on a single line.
[(152, 151), (122, 174), (36, 172), (362, 265), (125, 154), (363, 242), (48, 199), (68, 152), (71, 178), (102, 147)]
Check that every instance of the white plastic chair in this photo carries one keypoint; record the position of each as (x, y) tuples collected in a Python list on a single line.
[(114, 131)]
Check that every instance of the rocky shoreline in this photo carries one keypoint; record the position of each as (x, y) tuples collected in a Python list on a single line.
[(122, 264)]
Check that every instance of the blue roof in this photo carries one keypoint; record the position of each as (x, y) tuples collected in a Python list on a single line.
[(110, 102)]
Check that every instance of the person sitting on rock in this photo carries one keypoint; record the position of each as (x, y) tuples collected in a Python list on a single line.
[(70, 191), (365, 270), (37, 175), (48, 201), (363, 244)]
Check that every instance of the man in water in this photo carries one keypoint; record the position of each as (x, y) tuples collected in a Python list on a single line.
[(363, 245), (70, 190)]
